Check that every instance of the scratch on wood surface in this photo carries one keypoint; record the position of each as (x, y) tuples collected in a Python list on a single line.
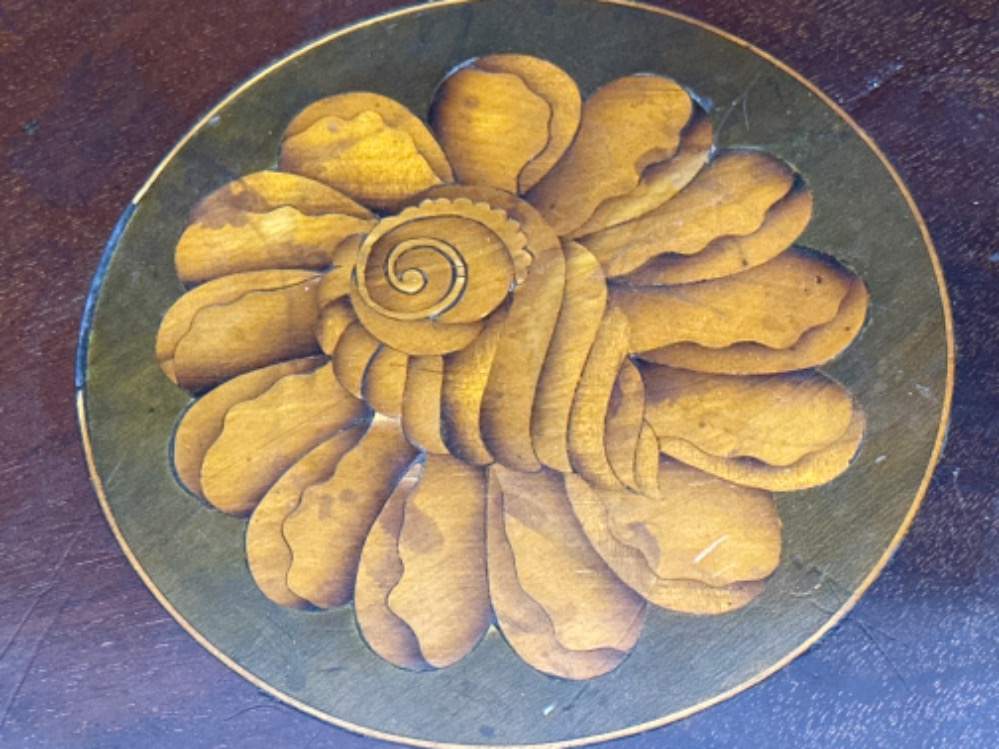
[(868, 632), (739, 101), (156, 622), (252, 708), (12, 467), (110, 473), (50, 583), (572, 700), (709, 548), (955, 476), (26, 671), (877, 646), (111, 556), (878, 79)]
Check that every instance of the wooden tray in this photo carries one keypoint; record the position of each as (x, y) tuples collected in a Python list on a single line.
[(836, 537)]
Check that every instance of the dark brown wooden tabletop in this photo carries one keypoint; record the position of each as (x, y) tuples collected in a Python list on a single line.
[(93, 95)]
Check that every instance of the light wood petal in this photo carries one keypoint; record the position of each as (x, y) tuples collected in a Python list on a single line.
[(202, 422), (368, 146), (227, 241), (587, 450), (815, 347), (558, 567), (773, 305), (490, 125), (265, 191), (267, 220), (327, 531), (659, 182), (814, 469), (623, 424), (442, 592), (581, 312), (417, 337), (776, 419), (353, 353), (692, 597), (504, 120), (267, 551), (731, 254), (702, 533), (421, 409), (264, 436), (509, 397), (647, 461), (334, 319), (556, 602), (465, 375), (238, 323), (337, 281), (729, 197), (626, 126), (378, 572), (385, 381)]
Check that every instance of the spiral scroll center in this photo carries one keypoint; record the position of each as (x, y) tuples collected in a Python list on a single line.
[(405, 270), (414, 280)]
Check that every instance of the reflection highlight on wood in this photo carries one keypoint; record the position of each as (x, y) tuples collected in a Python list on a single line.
[(536, 365)]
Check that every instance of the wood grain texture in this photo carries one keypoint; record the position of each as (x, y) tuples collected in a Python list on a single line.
[(95, 93)]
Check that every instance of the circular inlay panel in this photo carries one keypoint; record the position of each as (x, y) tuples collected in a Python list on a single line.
[(507, 372)]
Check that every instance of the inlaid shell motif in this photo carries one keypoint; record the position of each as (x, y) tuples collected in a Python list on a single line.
[(537, 363)]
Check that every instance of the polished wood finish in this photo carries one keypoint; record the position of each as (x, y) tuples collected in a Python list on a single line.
[(355, 247), (90, 658)]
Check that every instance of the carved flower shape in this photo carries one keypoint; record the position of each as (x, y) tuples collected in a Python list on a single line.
[(537, 366)]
